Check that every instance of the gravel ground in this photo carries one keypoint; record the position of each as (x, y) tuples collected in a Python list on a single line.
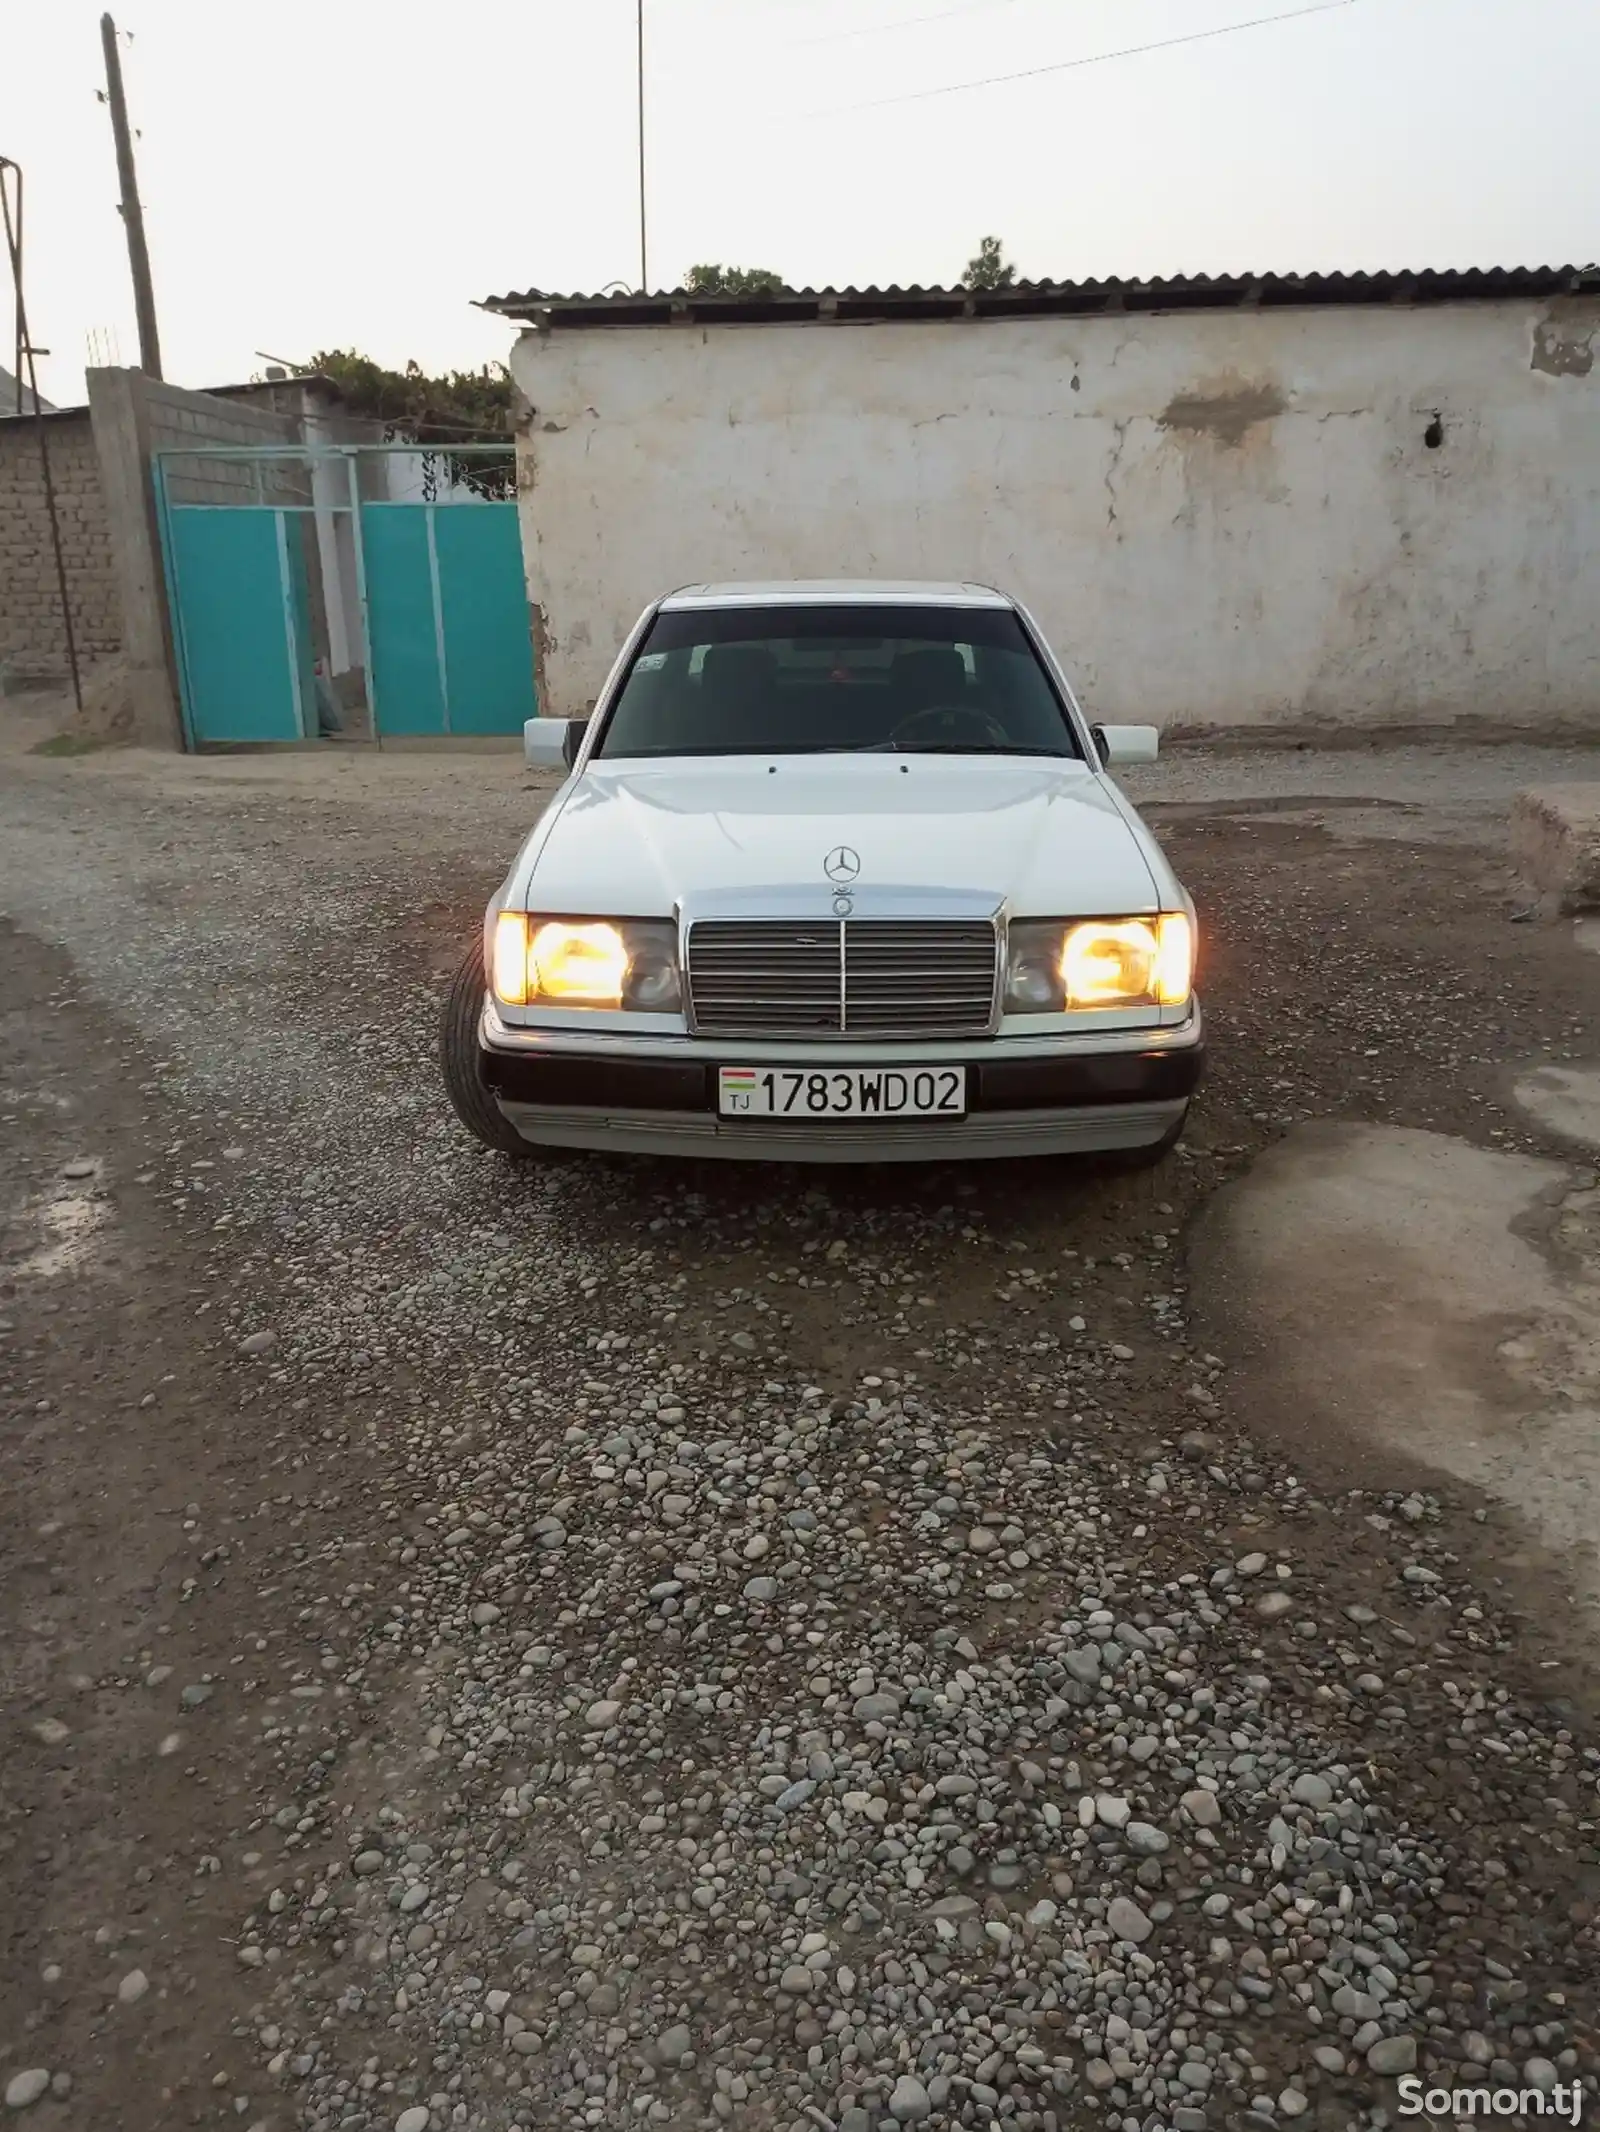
[(1434, 779), (623, 1644)]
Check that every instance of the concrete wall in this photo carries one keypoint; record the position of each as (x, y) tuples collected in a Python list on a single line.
[(33, 643), (1221, 518)]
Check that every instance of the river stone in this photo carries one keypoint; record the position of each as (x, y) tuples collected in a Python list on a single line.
[(1356, 2005), (882, 1708), (1127, 1921), (909, 2104), (1393, 2054)]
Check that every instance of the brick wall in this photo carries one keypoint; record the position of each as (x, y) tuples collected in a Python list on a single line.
[(31, 632), (178, 419)]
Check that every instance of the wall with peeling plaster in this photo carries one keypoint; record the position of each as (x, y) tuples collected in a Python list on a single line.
[(1221, 518)]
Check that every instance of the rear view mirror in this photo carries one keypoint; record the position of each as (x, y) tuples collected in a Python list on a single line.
[(552, 743), (1118, 744)]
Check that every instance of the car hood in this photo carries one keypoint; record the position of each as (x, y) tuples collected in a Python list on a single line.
[(643, 839)]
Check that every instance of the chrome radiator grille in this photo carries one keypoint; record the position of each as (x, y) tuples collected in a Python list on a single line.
[(859, 977)]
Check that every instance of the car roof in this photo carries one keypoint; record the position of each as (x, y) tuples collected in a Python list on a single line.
[(842, 592)]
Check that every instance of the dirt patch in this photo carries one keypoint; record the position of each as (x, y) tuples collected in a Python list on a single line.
[(130, 1655)]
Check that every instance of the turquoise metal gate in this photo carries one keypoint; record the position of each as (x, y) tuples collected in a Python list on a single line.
[(245, 627), (443, 584), (356, 592)]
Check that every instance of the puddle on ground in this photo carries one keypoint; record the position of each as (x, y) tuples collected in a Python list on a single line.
[(1434, 1299), (70, 1226), (1565, 1100)]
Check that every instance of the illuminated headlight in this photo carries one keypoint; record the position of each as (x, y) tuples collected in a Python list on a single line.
[(626, 963), (1055, 966)]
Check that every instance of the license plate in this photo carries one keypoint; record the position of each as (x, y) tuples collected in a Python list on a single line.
[(842, 1092)]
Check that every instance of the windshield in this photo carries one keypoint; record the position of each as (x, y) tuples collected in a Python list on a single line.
[(814, 680)]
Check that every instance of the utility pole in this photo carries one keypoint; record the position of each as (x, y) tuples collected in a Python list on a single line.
[(644, 253), (144, 301)]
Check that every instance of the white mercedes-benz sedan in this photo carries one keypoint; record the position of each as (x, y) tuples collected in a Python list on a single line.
[(837, 874)]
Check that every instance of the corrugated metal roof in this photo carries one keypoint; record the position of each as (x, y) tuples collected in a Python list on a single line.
[(1044, 298), (252, 388), (259, 387), (16, 398)]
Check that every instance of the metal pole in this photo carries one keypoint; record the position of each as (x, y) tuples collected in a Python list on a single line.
[(144, 302), (13, 230), (644, 254), (14, 247)]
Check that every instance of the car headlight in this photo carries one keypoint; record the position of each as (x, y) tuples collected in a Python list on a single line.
[(1057, 965), (627, 963)]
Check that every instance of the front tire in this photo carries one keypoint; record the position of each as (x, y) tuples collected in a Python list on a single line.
[(461, 1063)]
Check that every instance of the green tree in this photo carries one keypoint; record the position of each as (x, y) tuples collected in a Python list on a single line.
[(988, 270), (459, 405), (732, 281)]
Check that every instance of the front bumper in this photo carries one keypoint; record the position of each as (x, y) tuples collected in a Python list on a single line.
[(1084, 1094)]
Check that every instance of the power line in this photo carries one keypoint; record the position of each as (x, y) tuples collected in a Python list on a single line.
[(1094, 59), (907, 22)]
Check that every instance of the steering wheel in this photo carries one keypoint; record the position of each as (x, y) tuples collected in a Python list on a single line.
[(954, 723)]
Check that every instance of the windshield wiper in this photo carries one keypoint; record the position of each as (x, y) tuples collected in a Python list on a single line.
[(974, 747)]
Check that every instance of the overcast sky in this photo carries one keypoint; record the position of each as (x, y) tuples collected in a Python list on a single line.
[(325, 173)]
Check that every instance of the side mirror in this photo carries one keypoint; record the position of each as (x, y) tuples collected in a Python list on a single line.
[(1126, 743), (552, 743)]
